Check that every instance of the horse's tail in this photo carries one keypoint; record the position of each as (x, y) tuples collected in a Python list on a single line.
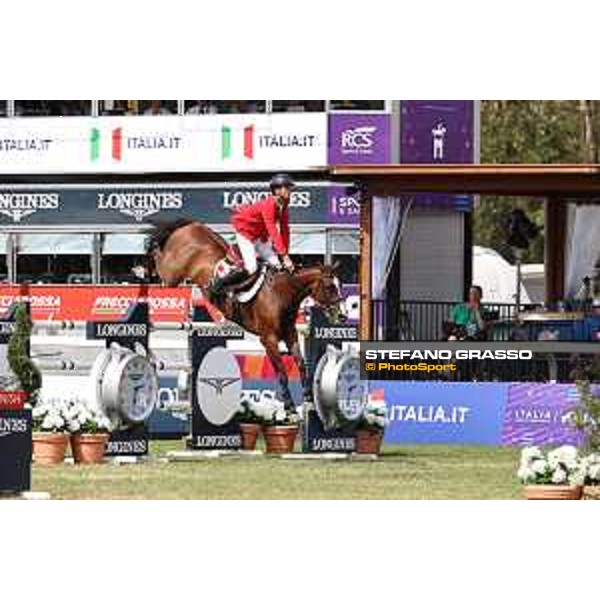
[(155, 242)]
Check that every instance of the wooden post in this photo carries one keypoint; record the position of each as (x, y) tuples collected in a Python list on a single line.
[(555, 216), (366, 220)]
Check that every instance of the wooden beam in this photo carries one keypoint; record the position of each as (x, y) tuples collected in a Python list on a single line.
[(507, 180), (366, 220), (555, 226)]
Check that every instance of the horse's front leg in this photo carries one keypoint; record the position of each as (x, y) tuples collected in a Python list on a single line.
[(271, 345)]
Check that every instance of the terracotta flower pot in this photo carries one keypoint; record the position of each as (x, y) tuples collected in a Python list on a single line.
[(368, 441), (250, 433), (280, 439), (89, 448), (49, 448), (591, 492), (553, 492)]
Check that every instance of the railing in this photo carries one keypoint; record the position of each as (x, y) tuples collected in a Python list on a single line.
[(428, 321)]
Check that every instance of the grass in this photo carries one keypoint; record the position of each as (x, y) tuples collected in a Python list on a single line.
[(403, 472)]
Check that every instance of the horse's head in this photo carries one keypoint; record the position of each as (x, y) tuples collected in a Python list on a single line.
[(326, 291)]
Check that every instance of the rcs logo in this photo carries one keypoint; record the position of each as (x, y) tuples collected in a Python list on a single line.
[(358, 139)]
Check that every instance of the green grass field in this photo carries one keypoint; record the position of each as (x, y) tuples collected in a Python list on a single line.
[(403, 472)]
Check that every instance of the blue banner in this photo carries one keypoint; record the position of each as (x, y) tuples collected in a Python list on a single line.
[(443, 413)]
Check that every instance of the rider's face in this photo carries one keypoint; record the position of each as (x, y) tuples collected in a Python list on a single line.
[(283, 193)]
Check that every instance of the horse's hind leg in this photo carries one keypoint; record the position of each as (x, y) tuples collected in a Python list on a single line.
[(293, 345), (271, 344)]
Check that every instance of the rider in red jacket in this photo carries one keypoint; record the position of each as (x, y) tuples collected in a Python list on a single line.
[(263, 231)]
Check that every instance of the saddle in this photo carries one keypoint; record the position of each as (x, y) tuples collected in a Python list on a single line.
[(240, 291)]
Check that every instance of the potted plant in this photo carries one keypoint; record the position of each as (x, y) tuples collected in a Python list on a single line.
[(371, 427), (591, 491), (50, 432), (250, 424), (279, 428), (557, 474), (89, 431), (586, 415)]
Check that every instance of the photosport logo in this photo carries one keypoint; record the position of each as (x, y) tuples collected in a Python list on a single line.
[(139, 142), (18, 206)]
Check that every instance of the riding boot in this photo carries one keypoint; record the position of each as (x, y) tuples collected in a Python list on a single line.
[(221, 284)]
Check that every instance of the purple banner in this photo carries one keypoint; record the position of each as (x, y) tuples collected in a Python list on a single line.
[(438, 131), (344, 208), (538, 415), (359, 139)]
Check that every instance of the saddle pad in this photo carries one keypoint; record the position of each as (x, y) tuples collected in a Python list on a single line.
[(248, 295)]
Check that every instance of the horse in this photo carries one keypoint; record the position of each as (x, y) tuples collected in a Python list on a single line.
[(189, 250)]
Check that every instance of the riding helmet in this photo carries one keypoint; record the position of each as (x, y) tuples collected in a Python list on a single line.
[(281, 180)]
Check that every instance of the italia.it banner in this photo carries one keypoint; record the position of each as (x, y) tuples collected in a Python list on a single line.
[(220, 143)]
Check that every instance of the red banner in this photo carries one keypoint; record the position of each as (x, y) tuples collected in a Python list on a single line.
[(97, 303), (12, 400)]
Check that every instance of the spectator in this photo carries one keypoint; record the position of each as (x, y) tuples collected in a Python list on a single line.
[(157, 108), (468, 321)]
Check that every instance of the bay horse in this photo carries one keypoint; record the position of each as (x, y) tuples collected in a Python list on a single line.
[(189, 250)]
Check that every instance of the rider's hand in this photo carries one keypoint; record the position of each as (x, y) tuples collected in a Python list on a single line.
[(288, 264)]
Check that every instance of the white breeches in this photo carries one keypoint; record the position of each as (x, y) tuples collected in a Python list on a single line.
[(251, 251)]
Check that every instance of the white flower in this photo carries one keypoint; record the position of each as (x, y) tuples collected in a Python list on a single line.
[(559, 476), (565, 455), (530, 453), (280, 415), (39, 411), (577, 477), (525, 474), (47, 423), (594, 472), (539, 466)]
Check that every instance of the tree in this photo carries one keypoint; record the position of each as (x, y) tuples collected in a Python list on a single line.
[(531, 131), (22, 366)]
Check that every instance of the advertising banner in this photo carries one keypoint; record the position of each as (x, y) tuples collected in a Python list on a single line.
[(359, 139), (249, 142), (122, 205), (97, 303), (539, 415), (437, 132), (344, 207), (442, 413)]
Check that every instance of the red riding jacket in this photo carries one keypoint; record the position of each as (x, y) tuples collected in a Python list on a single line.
[(258, 221)]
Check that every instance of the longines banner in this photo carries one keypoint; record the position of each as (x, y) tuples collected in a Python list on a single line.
[(163, 144), (310, 203)]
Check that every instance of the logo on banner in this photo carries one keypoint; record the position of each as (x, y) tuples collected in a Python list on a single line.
[(119, 142), (25, 144), (252, 140), (140, 205), (438, 134), (358, 140), (118, 305), (236, 198), (227, 142), (219, 386), (17, 206)]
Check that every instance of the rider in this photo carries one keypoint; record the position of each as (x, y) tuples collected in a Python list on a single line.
[(263, 229)]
